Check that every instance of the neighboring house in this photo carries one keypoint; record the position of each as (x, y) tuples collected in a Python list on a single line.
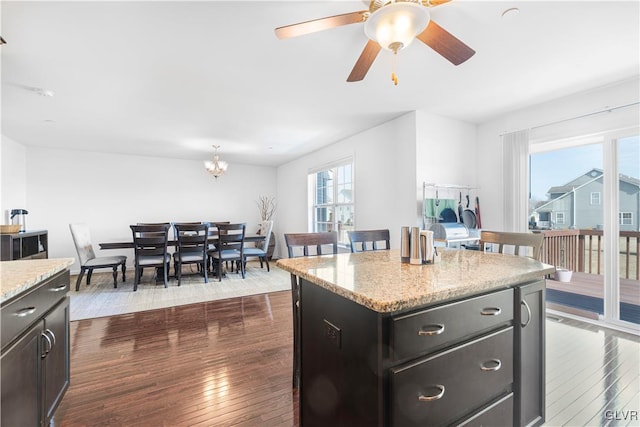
[(579, 204)]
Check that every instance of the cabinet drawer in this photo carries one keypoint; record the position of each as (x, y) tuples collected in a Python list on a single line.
[(19, 314), (421, 332), (499, 413), (435, 390)]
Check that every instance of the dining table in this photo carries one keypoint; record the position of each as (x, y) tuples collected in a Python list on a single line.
[(174, 242), (213, 239)]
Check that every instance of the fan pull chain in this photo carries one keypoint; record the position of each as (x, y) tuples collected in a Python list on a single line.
[(394, 76)]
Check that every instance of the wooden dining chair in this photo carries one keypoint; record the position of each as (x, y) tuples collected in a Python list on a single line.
[(311, 244), (191, 248), (368, 240), (150, 249), (229, 247), (88, 259), (317, 242), (516, 240)]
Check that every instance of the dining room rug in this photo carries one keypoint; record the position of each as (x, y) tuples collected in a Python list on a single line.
[(101, 299)]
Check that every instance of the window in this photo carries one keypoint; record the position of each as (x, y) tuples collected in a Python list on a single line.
[(559, 217), (595, 198), (625, 218), (332, 203)]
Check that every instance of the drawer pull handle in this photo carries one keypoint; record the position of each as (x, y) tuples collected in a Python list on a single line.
[(25, 312), (58, 288), (491, 365), (491, 311), (430, 330), (439, 387)]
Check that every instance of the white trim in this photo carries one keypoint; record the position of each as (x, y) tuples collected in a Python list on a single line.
[(621, 326), (610, 203), (543, 145), (332, 164)]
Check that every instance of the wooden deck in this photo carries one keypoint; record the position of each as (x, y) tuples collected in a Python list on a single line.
[(592, 285)]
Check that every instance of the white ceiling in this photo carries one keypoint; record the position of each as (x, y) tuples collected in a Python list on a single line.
[(172, 78)]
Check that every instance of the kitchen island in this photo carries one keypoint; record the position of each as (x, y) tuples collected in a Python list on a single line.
[(34, 355), (382, 343)]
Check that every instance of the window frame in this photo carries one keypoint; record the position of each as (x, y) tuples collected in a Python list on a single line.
[(621, 218), (335, 205), (558, 215), (599, 198)]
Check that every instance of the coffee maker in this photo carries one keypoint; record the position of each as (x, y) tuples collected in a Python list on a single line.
[(19, 216)]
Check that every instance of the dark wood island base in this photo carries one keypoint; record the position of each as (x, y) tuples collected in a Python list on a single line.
[(472, 359)]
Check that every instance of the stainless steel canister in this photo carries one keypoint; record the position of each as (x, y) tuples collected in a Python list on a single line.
[(415, 258), (405, 252), (426, 246)]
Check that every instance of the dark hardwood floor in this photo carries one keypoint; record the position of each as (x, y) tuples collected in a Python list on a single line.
[(218, 363), (228, 363)]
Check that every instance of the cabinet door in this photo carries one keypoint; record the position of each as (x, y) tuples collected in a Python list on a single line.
[(530, 354), (56, 362), (20, 384)]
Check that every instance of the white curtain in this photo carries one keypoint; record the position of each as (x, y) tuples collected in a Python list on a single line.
[(515, 161)]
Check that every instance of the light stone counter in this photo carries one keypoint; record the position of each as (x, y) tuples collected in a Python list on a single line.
[(18, 276), (379, 281)]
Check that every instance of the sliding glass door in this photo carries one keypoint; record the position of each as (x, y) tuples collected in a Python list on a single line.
[(585, 200), (628, 245)]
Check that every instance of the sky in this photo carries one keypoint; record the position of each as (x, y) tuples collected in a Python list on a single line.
[(558, 167)]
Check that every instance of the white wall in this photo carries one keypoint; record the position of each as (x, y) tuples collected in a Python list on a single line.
[(446, 154), (391, 162), (489, 155), (111, 191), (384, 168), (13, 178)]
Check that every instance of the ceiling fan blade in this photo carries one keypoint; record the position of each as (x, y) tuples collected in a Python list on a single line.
[(445, 43), (363, 64), (302, 28)]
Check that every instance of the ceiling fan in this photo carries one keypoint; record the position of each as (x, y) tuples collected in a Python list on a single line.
[(392, 25)]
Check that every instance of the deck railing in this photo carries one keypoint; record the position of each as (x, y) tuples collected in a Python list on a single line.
[(581, 250)]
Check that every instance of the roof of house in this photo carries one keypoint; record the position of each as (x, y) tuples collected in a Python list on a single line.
[(579, 182), (588, 177)]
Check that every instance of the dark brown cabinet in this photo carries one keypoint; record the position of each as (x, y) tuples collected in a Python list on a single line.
[(34, 361), (26, 245), (529, 352), (463, 362)]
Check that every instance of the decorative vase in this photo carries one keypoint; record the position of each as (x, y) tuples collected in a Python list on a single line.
[(562, 275)]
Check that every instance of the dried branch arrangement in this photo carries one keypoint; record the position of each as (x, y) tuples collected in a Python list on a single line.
[(267, 206)]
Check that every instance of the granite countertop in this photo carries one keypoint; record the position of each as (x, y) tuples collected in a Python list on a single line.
[(19, 276), (379, 281)]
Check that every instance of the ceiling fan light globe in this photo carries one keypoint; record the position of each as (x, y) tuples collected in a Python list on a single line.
[(396, 25)]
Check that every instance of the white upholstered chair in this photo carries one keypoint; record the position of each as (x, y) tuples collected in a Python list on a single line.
[(87, 257)]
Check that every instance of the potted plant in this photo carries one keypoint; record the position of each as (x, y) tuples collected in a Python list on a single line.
[(267, 206)]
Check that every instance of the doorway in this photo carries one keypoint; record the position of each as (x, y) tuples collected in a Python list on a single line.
[(585, 199)]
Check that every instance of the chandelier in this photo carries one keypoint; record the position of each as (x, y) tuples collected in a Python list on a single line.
[(216, 167)]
